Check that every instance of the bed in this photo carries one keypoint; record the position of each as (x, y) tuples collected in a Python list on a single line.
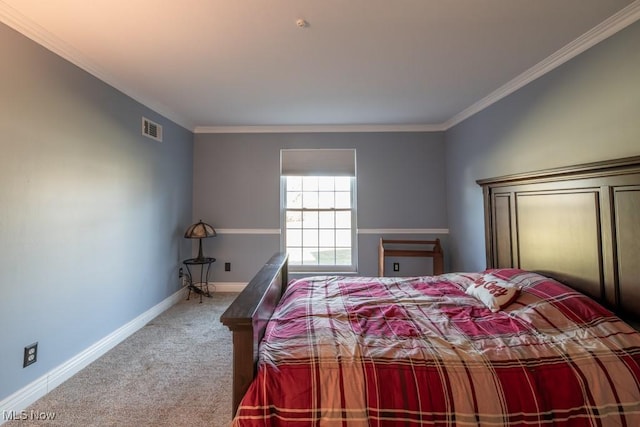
[(424, 351)]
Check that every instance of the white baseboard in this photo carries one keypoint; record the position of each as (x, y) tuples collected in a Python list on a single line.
[(224, 286), (228, 286), (24, 397)]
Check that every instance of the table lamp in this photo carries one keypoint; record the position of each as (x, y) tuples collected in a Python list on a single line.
[(200, 230)]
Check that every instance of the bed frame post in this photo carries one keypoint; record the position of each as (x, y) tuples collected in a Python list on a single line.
[(247, 318), (243, 363), (438, 261), (381, 258)]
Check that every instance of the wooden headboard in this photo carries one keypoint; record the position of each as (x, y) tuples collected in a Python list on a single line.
[(579, 225)]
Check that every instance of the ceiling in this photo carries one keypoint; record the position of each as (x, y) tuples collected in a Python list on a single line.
[(245, 65)]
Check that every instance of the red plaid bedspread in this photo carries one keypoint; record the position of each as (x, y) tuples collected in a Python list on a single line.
[(345, 351)]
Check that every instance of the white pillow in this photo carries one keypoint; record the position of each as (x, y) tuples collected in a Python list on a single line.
[(494, 292)]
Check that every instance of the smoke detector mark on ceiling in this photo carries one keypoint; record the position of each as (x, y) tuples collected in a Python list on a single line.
[(151, 129)]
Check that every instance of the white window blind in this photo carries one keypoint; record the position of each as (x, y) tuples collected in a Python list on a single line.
[(318, 162)]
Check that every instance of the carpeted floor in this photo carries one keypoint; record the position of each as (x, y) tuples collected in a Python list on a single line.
[(176, 371)]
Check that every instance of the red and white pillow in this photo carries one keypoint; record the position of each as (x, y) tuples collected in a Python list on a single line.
[(494, 292)]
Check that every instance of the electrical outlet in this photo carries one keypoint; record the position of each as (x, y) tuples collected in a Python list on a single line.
[(396, 266), (30, 354), (227, 266), (180, 273)]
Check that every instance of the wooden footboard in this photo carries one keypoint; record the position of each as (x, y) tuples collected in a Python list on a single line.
[(247, 318)]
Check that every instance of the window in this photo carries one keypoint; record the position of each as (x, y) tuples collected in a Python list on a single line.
[(318, 210)]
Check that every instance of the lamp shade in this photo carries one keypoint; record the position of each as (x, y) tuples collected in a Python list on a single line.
[(199, 230)]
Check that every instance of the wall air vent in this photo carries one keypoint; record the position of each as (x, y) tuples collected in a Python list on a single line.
[(151, 129)]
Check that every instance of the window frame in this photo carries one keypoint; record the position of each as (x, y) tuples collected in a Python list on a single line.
[(322, 268)]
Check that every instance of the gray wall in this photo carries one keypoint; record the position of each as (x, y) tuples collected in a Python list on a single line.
[(400, 184), (586, 110), (91, 212)]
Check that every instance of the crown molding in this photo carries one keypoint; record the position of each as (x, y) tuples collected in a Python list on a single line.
[(25, 26), (319, 128), (600, 32)]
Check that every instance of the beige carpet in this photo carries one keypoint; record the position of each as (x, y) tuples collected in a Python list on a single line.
[(176, 371)]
